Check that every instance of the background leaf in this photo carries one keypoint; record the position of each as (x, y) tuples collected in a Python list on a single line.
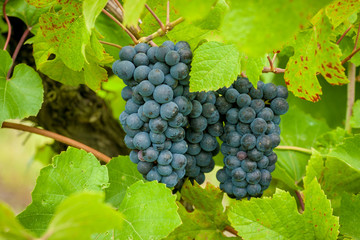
[(132, 11), (355, 119), (349, 215)]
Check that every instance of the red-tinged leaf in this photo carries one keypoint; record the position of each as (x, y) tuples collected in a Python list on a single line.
[(340, 10)]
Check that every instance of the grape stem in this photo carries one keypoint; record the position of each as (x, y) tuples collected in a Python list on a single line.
[(350, 95), (301, 200), (344, 34), (9, 25), (276, 70), (17, 50), (231, 230), (162, 26), (293, 148), (57, 137), (111, 44), (168, 13), (119, 5), (271, 62)]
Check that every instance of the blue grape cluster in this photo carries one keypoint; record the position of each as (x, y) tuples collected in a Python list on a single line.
[(251, 131), (157, 108)]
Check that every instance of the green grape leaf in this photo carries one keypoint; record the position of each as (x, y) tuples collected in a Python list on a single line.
[(193, 9), (72, 171), (314, 53), (132, 11), (297, 133), (81, 215), (27, 13), (314, 168), (122, 174), (330, 140), (347, 46), (350, 215), (348, 152), (340, 10), (246, 19), (355, 118), (22, 95), (253, 67), (10, 228), (208, 220), (91, 10), (41, 3), (214, 65), (149, 211), (214, 18)]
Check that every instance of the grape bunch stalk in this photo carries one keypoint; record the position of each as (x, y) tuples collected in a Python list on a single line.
[(251, 132)]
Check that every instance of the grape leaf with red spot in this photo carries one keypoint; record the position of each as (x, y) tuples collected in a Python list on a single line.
[(314, 53), (339, 11)]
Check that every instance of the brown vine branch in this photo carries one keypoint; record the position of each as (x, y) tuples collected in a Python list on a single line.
[(293, 148), (57, 137), (162, 26), (350, 95), (9, 25), (121, 25), (276, 70), (357, 38), (271, 63), (231, 230), (168, 13), (111, 44), (301, 200), (17, 50), (344, 34), (350, 56)]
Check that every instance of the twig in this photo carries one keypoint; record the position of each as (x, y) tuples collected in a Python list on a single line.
[(271, 63), (57, 137), (350, 56), (350, 95), (121, 25), (357, 38), (231, 230), (344, 34), (119, 5), (293, 148), (9, 25), (162, 26), (301, 200), (276, 70), (17, 49), (160, 32), (152, 44), (168, 13), (111, 44)]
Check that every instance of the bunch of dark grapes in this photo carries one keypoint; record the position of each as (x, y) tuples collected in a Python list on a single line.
[(158, 103), (251, 132)]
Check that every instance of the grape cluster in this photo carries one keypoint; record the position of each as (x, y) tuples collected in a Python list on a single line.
[(251, 132), (158, 103)]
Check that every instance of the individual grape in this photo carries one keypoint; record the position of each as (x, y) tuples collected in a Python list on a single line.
[(264, 143), (129, 142), (253, 177), (157, 137), (144, 167), (221, 175), (216, 129), (240, 184), (255, 155), (158, 146), (177, 121), (203, 159), (256, 93), (161, 53), (247, 115), (194, 149), (248, 165), (257, 105), (196, 109), (209, 167), (179, 91), (238, 174), (169, 80), (233, 139), (140, 59), (158, 125), (248, 141), (142, 141), (229, 128), (194, 137), (136, 97), (276, 119), (181, 44), (141, 73), (222, 105), (156, 77), (263, 163), (266, 113), (123, 69), (198, 124), (270, 127), (165, 170), (185, 106), (180, 172), (163, 67), (232, 115), (185, 55), (239, 192), (169, 110), (169, 44), (208, 110), (179, 161), (179, 147), (142, 48), (275, 140), (146, 88), (134, 156), (277, 129), (272, 158), (130, 132), (172, 58), (241, 155), (179, 71), (271, 168), (208, 143), (258, 126), (232, 162), (243, 100), (243, 128), (151, 54), (150, 154), (163, 93), (253, 189), (131, 107), (165, 157), (202, 96), (242, 85), (175, 134), (127, 53), (168, 144), (279, 105), (227, 150), (194, 172), (270, 91), (265, 177), (145, 127), (153, 175), (151, 109), (231, 95), (282, 92), (227, 187), (123, 117), (133, 121), (126, 93)]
